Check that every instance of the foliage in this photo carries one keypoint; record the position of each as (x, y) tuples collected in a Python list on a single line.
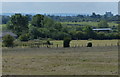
[(48, 22), (24, 37), (58, 26), (66, 42), (8, 40), (119, 28), (103, 24), (33, 31), (48, 42), (101, 35), (18, 24), (89, 32), (40, 26), (37, 20)]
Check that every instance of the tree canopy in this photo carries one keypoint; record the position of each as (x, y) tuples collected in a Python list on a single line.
[(29, 27), (103, 24), (18, 24)]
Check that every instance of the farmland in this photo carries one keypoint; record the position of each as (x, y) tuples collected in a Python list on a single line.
[(95, 24), (73, 43), (50, 40), (97, 60)]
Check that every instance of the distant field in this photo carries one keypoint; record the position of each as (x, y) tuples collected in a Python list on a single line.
[(73, 43), (89, 23), (61, 61), (101, 59), (84, 42)]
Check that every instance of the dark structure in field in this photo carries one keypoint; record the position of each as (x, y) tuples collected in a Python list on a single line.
[(89, 44), (103, 30)]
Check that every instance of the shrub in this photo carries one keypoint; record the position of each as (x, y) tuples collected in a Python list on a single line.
[(8, 40), (24, 37), (48, 42), (90, 39), (89, 44), (66, 42)]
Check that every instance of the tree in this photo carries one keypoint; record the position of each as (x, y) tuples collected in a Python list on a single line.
[(33, 32), (37, 20), (101, 35), (79, 35), (43, 32), (48, 22), (89, 32), (29, 17), (93, 15), (119, 28), (58, 26), (8, 40), (24, 37), (103, 24), (18, 24), (59, 35), (66, 42)]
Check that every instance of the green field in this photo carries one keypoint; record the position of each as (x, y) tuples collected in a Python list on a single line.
[(89, 23), (82, 23), (73, 43), (84, 42), (97, 60)]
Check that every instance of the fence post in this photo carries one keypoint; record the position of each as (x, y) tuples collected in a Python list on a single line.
[(57, 45), (111, 45)]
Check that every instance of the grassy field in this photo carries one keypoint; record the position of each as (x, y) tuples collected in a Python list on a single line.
[(84, 42), (98, 60), (74, 43), (89, 23)]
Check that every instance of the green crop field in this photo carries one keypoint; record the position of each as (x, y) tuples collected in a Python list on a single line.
[(88, 23), (97, 60)]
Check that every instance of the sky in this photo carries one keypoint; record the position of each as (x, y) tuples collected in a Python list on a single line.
[(59, 0), (60, 7)]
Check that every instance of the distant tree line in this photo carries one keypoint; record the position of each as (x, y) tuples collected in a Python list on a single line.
[(84, 18), (29, 27), (78, 18)]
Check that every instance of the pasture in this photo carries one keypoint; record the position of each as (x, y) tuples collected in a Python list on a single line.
[(73, 43), (97, 60), (83, 43), (89, 23)]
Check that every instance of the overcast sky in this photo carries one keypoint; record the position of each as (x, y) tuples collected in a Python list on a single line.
[(60, 7), (59, 0)]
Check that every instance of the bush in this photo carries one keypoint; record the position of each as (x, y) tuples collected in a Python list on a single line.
[(66, 42), (8, 40), (48, 42), (24, 37), (89, 44)]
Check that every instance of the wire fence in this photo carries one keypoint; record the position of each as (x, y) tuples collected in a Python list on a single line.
[(38, 45)]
